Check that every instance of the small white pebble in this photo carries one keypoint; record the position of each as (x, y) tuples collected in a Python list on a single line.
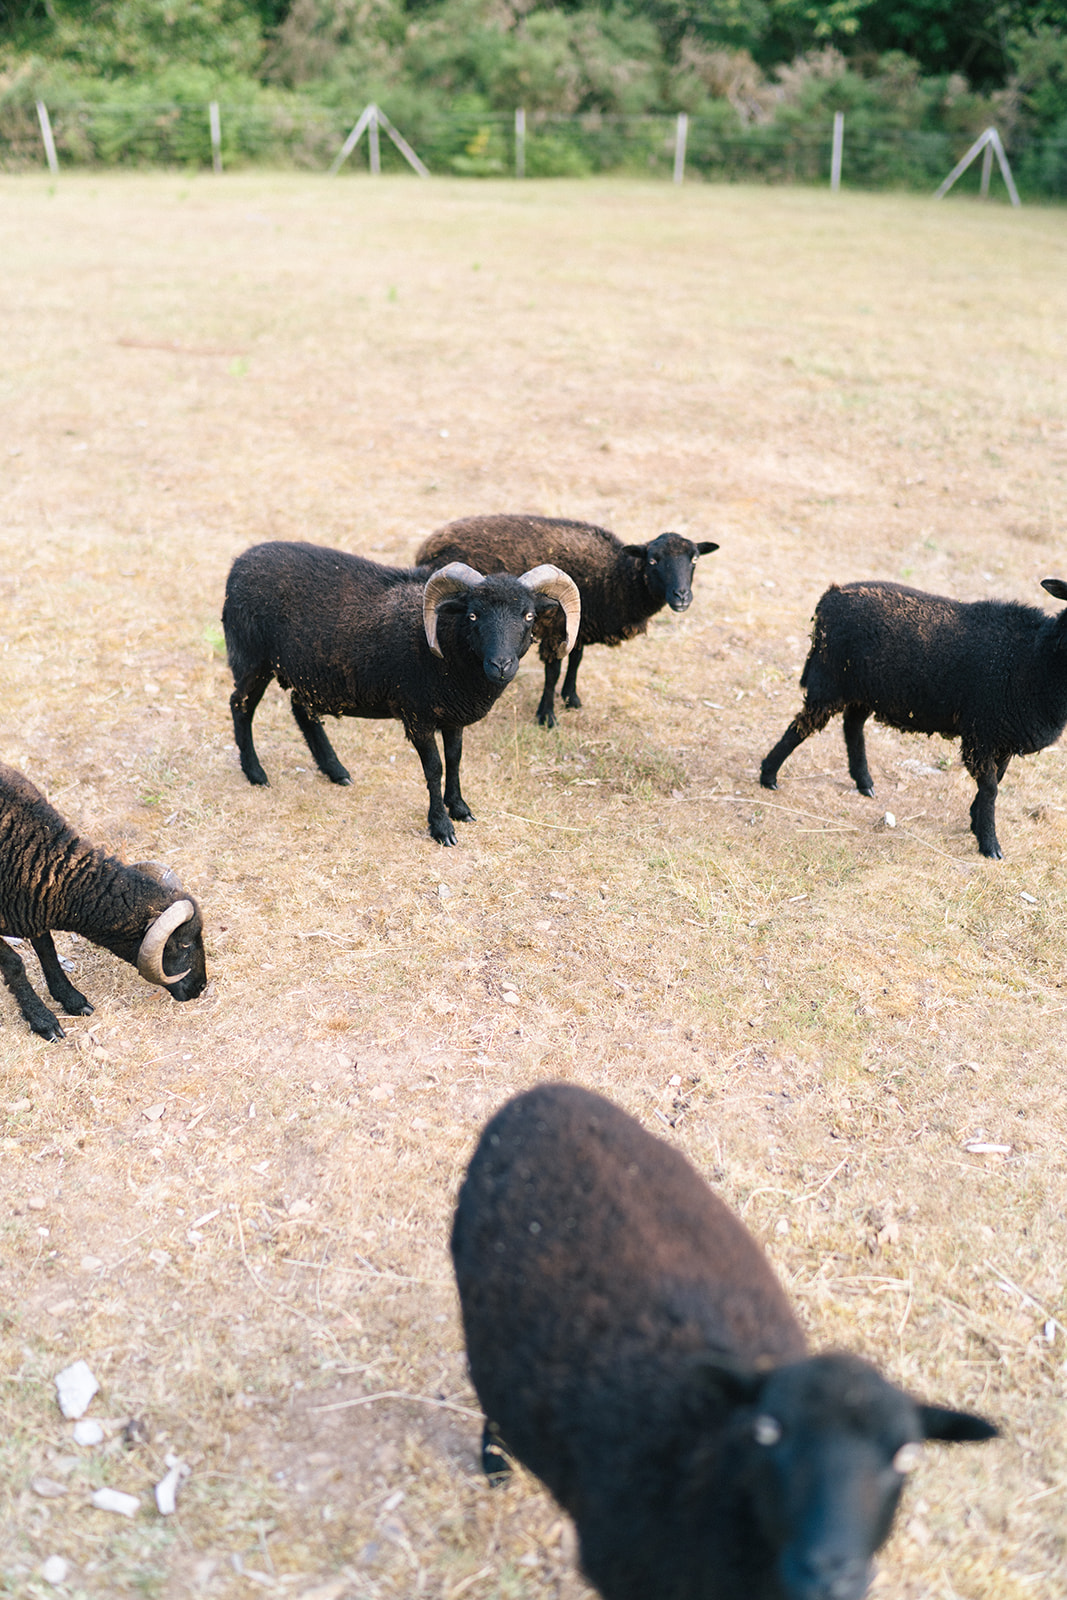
[(54, 1571), (1031, 899), (125, 1505), (88, 1432), (890, 820), (675, 1080), (75, 1387)]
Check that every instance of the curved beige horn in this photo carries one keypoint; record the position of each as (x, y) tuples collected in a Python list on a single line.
[(551, 581), (164, 875), (449, 580), (150, 955)]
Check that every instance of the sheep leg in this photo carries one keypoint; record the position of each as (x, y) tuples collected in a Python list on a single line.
[(247, 693), (983, 810), (59, 985), (495, 1463), (569, 692), (855, 744), (315, 738), (36, 1013), (546, 716), (440, 824), (458, 809), (802, 727)]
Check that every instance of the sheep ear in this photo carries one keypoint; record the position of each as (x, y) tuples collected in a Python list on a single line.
[(1055, 586), (639, 552), (729, 1378), (705, 547), (955, 1427)]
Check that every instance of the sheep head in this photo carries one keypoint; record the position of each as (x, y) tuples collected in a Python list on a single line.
[(830, 1445)]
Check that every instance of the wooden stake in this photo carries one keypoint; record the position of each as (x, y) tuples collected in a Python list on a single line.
[(837, 151), (680, 139), (216, 135), (46, 135), (520, 142)]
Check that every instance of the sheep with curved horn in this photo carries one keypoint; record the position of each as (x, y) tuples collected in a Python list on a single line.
[(52, 879), (352, 638)]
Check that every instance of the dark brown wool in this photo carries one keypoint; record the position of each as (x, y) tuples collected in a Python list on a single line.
[(621, 585), (630, 1344)]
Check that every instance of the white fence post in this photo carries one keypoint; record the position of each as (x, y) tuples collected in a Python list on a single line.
[(216, 135), (837, 151), (987, 170), (370, 119), (520, 142), (372, 142), (987, 141), (46, 135), (681, 136)]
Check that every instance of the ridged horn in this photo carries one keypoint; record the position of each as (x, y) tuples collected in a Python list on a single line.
[(162, 874), (457, 575), (557, 585), (150, 955)]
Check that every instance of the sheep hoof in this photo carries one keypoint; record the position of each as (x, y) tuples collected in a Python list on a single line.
[(443, 832), (547, 719), (461, 812), (768, 783), (572, 702), (867, 789), (78, 1007), (50, 1032), (258, 777), (992, 852)]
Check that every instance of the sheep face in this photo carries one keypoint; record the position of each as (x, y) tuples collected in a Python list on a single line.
[(830, 1443), (667, 564), (180, 967), (494, 621), (184, 953)]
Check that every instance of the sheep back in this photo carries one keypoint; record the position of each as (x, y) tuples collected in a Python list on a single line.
[(594, 1266), (288, 604), (989, 672), (615, 602), (41, 857)]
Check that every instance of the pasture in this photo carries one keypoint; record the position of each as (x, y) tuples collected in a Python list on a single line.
[(821, 1011)]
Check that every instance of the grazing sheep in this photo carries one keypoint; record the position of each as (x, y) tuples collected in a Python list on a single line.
[(630, 1344), (355, 639), (49, 878), (621, 585), (991, 673)]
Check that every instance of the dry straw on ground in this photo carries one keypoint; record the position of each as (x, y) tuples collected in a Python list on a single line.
[(822, 1013)]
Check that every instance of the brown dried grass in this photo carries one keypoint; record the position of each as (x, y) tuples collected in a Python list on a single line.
[(833, 389)]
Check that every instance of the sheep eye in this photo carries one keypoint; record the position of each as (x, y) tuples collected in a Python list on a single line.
[(652, 560), (472, 616), (907, 1458), (529, 616), (767, 1430)]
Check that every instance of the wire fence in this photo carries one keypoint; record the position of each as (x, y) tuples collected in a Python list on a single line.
[(304, 135)]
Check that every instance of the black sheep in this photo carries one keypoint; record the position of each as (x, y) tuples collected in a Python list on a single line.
[(621, 585), (630, 1344), (49, 878), (355, 639), (991, 673)]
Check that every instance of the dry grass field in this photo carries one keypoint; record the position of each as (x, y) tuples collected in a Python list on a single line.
[(822, 1012)]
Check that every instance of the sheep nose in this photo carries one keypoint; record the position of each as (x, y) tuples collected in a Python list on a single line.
[(834, 1578), (680, 600), (501, 669)]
